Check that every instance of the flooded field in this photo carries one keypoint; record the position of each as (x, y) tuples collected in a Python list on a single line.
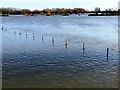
[(60, 51)]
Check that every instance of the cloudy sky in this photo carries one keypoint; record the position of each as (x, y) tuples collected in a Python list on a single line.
[(40, 4)]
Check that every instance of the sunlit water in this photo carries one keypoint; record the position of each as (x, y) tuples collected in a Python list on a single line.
[(38, 61)]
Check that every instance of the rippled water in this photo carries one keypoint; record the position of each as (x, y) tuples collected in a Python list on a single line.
[(39, 61)]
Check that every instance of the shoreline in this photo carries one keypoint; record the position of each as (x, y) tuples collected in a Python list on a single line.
[(7, 15)]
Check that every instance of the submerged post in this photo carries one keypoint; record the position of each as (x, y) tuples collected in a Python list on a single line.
[(107, 53)]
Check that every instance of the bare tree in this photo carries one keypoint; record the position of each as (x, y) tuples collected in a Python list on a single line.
[(97, 9)]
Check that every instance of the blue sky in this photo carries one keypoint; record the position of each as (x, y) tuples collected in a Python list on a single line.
[(40, 4)]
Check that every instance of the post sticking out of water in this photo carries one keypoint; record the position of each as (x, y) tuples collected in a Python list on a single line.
[(107, 53), (66, 44), (26, 33), (83, 48), (42, 38), (20, 33), (2, 28), (14, 31), (53, 40), (33, 35)]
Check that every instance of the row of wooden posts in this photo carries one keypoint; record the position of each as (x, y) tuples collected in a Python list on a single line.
[(66, 43)]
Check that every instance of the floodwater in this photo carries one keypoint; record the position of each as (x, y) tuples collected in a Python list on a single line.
[(60, 51)]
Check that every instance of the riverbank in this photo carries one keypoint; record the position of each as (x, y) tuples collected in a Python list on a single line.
[(57, 11), (5, 15), (103, 15)]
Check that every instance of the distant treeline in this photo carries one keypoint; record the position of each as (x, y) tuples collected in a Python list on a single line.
[(54, 11)]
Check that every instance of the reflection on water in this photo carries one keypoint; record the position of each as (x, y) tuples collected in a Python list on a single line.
[(55, 58)]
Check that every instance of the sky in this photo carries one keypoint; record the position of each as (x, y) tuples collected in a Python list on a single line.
[(41, 4)]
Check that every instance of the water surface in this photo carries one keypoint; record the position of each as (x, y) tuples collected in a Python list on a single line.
[(40, 62)]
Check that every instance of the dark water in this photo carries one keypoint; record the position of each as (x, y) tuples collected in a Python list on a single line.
[(35, 61)]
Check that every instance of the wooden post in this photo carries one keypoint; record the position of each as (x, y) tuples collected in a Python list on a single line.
[(26, 33), (53, 40), (83, 48), (20, 33), (2, 28), (107, 53), (14, 31), (33, 35), (66, 43), (42, 38)]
